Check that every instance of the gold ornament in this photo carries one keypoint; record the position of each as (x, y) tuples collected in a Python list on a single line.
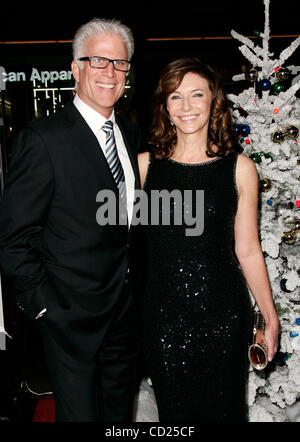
[(289, 237), (296, 225), (252, 75), (282, 74), (265, 185), (277, 137), (291, 132)]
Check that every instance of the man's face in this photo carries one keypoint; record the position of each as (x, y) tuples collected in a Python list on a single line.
[(101, 88)]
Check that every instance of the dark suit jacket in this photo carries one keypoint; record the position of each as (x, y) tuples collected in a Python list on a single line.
[(51, 247)]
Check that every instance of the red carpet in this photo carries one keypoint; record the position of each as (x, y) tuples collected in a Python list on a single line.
[(44, 411)]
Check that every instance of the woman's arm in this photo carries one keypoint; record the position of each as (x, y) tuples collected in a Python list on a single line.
[(143, 161), (248, 249)]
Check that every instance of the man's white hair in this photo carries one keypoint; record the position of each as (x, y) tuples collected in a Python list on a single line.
[(101, 26)]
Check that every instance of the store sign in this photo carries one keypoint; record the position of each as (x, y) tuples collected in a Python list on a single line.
[(36, 75), (2, 82)]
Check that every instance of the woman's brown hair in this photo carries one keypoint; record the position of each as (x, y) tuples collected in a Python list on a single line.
[(220, 132)]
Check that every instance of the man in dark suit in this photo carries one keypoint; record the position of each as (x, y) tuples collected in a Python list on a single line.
[(70, 273)]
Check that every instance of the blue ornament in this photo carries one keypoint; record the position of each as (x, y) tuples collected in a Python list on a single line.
[(280, 358), (245, 130), (293, 334), (269, 202), (237, 128), (283, 286), (264, 84), (298, 321)]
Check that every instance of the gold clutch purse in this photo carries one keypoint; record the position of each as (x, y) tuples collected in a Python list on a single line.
[(257, 351)]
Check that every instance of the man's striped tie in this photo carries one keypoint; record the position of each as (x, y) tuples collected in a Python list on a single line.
[(114, 160)]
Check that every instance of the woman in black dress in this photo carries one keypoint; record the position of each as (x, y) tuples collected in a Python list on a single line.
[(196, 312)]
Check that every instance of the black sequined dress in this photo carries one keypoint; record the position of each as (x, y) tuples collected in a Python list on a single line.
[(196, 311)]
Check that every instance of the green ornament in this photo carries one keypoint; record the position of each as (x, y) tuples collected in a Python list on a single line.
[(256, 33), (256, 157), (268, 155), (277, 88)]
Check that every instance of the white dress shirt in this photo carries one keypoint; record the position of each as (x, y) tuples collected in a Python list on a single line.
[(95, 122)]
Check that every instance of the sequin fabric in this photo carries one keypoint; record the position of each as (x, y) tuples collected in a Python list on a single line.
[(196, 306)]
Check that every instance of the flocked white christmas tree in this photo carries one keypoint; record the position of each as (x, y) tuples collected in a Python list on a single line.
[(267, 116)]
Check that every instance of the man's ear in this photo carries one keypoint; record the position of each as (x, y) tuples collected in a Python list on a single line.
[(75, 71)]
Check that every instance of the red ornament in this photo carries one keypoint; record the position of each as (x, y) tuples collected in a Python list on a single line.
[(276, 110), (298, 204), (276, 69), (247, 141)]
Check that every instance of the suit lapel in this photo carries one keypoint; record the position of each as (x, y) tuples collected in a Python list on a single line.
[(83, 139)]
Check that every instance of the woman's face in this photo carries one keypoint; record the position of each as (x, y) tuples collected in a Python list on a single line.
[(189, 106)]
